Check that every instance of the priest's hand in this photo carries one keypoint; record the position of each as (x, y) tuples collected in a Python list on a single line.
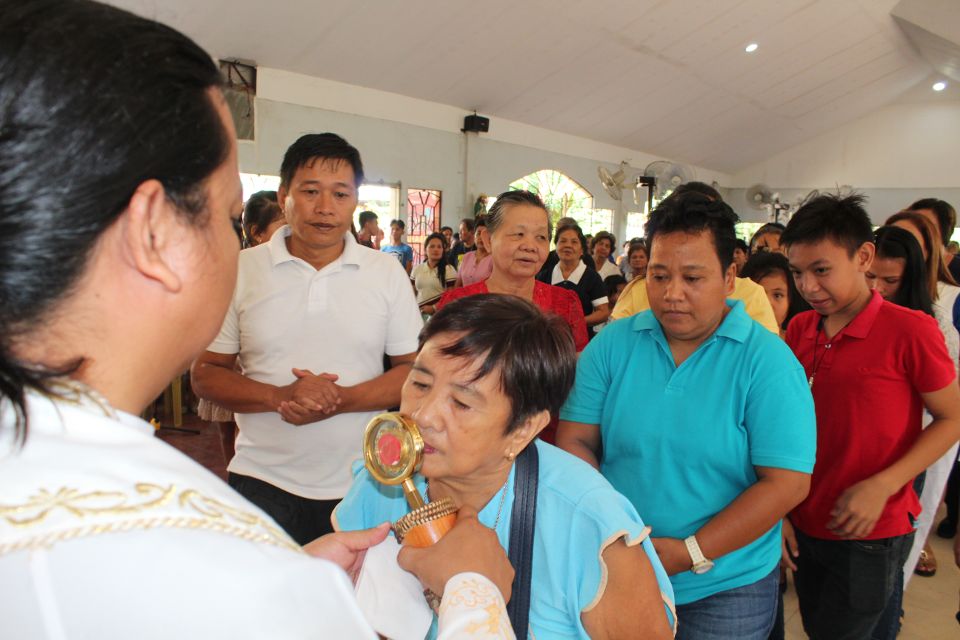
[(347, 549)]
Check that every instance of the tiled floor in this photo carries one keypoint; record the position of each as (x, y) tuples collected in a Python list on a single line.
[(930, 603)]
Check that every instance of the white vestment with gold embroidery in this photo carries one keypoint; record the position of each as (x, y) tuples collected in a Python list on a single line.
[(107, 532)]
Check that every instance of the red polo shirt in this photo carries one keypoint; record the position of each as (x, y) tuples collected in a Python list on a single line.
[(549, 298), (866, 391)]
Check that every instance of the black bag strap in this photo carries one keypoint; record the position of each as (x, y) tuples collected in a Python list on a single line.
[(523, 521)]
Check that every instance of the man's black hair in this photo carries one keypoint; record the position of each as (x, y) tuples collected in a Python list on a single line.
[(367, 216), (839, 218), (400, 223), (698, 187), (693, 213), (325, 147)]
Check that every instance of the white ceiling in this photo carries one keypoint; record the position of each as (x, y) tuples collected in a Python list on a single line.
[(667, 77)]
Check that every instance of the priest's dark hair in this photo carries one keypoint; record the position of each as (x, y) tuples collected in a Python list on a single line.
[(94, 101)]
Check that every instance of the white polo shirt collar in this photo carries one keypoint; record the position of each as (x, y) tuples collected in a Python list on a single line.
[(557, 276), (279, 253)]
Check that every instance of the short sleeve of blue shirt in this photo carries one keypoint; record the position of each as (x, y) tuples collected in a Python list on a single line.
[(779, 417), (602, 518), (403, 253), (578, 516), (586, 401)]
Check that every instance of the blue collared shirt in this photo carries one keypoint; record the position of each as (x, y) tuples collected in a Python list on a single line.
[(578, 516), (681, 443)]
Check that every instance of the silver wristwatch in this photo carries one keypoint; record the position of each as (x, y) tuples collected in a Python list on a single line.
[(701, 564)]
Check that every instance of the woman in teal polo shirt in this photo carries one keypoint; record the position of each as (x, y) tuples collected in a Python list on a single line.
[(705, 423), (491, 370)]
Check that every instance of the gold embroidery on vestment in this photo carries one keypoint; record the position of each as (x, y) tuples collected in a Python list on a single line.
[(204, 513), (92, 503), (477, 596)]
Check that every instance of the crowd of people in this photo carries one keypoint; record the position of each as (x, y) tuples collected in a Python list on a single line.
[(638, 446)]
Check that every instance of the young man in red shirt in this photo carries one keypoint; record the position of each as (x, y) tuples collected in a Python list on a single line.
[(872, 367)]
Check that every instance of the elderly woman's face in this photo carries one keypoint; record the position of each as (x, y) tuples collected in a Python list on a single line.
[(638, 262), (522, 241), (463, 422), (569, 248), (602, 248)]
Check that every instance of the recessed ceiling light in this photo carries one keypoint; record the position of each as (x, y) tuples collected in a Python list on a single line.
[(939, 86), (753, 46)]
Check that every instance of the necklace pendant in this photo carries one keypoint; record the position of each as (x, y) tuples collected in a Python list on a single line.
[(810, 381)]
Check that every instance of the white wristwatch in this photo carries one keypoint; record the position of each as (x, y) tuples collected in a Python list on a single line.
[(701, 564)]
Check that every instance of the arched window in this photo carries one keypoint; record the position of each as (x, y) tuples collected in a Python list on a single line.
[(563, 196)]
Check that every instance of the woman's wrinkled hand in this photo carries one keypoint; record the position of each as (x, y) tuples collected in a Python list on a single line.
[(468, 547)]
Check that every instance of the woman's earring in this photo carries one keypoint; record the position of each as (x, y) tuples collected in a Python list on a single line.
[(511, 455)]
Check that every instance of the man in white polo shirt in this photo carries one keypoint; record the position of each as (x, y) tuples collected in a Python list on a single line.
[(312, 316)]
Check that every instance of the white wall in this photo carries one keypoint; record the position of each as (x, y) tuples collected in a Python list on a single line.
[(419, 144), (896, 155)]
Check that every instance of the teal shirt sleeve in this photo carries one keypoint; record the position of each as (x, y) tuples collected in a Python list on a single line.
[(779, 415), (601, 518), (592, 383)]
